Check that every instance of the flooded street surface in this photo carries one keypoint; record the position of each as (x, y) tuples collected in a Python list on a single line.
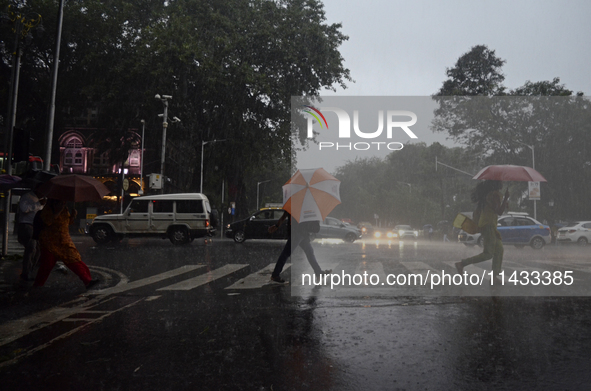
[(202, 317)]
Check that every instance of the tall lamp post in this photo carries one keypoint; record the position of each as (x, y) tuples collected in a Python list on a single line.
[(54, 73), (258, 183), (23, 23), (533, 165), (164, 99), (142, 160), (203, 145)]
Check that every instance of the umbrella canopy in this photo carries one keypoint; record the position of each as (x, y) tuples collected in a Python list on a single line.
[(9, 181), (74, 187), (510, 173), (310, 195)]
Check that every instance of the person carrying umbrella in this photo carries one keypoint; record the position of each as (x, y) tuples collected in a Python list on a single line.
[(490, 204), (52, 228), (308, 197), (298, 236)]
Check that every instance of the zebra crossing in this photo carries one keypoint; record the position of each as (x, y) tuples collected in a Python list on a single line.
[(231, 277)]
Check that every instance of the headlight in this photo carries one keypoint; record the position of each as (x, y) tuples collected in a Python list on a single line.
[(228, 226), (416, 233), (377, 234), (391, 235)]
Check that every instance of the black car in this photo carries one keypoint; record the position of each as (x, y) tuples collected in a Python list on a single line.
[(257, 225)]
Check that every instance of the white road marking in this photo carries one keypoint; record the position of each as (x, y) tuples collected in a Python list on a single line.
[(147, 281), (257, 279), (122, 277), (203, 279), (87, 321)]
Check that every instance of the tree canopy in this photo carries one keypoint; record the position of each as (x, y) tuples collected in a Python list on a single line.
[(542, 120), (230, 65)]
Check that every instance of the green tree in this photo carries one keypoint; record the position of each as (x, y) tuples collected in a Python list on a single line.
[(503, 127), (477, 72), (231, 67), (405, 188)]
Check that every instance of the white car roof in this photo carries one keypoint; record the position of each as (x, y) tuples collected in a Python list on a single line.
[(177, 196)]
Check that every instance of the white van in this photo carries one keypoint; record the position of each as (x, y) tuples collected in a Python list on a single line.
[(178, 217)]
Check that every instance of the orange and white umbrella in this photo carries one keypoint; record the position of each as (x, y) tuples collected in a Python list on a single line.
[(310, 195)]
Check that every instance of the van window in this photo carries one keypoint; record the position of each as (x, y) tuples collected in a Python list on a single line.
[(189, 206), (164, 206), (139, 206)]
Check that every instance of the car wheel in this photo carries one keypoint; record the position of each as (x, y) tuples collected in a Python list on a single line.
[(537, 243), (179, 235), (582, 241), (350, 237), (239, 236), (479, 242), (102, 234)]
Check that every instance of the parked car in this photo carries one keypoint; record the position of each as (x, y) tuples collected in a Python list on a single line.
[(256, 226), (178, 217), (406, 232), (332, 228), (578, 232), (516, 229)]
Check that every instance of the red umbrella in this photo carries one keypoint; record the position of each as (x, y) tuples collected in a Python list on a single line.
[(75, 188), (510, 173)]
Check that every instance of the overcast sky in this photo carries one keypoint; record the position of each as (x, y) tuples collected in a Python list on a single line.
[(402, 48)]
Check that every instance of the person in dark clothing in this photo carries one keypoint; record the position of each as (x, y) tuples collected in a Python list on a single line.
[(29, 204), (297, 237)]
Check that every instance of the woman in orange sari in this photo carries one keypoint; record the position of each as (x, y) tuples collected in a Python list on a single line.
[(56, 244)]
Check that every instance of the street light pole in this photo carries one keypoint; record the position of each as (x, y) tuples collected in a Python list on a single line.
[(533, 165), (56, 58), (258, 183), (142, 160), (203, 145), (164, 99)]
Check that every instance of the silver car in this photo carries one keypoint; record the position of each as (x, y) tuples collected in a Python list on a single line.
[(332, 228)]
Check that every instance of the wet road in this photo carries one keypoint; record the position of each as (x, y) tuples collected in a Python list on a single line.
[(200, 317)]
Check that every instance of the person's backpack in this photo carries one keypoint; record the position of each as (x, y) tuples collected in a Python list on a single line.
[(310, 226), (37, 226)]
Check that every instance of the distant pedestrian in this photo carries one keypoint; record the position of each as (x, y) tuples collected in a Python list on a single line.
[(54, 239), (297, 236), (490, 204), (430, 233), (29, 204), (445, 232)]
